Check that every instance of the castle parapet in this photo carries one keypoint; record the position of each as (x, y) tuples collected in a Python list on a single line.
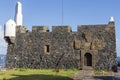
[(61, 29), (40, 29), (21, 29), (93, 28)]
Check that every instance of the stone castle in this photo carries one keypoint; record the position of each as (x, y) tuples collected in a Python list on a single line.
[(91, 47)]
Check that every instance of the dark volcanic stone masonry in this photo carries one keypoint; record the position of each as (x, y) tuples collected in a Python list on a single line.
[(91, 47)]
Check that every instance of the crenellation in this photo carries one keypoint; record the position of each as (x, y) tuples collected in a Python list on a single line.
[(21, 29), (40, 29), (61, 29), (93, 28), (62, 48)]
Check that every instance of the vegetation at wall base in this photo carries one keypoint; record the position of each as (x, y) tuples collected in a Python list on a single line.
[(37, 74), (101, 72)]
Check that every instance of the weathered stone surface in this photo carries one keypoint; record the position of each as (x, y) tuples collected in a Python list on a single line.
[(66, 49), (97, 44), (77, 44), (87, 36)]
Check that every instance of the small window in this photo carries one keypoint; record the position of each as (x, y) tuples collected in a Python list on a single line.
[(47, 48)]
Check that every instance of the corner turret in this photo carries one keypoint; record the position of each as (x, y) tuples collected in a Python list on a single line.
[(10, 31), (111, 22), (10, 26), (111, 19)]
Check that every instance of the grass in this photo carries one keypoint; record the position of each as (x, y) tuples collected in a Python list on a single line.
[(37, 74), (100, 72)]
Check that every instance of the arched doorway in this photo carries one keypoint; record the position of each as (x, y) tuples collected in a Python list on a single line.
[(88, 59)]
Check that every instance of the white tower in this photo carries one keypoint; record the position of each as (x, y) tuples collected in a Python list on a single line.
[(10, 29), (18, 14)]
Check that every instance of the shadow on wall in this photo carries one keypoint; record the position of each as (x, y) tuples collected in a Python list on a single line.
[(39, 77)]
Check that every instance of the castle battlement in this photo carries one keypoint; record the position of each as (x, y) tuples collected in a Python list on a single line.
[(61, 29), (40, 29), (57, 29), (91, 47)]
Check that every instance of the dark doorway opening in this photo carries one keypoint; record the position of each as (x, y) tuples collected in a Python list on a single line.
[(88, 59)]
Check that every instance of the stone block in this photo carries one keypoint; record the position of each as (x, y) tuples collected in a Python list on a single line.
[(40, 29), (61, 29)]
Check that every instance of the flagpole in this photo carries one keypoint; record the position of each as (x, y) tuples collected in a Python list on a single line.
[(62, 13)]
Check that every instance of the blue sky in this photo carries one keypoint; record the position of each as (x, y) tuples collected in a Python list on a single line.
[(76, 12)]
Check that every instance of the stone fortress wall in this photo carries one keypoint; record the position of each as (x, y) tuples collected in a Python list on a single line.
[(91, 47)]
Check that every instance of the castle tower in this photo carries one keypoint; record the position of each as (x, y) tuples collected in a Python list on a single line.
[(10, 26), (18, 14), (10, 31)]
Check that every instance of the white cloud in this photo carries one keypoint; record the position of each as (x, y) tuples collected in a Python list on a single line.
[(3, 44), (118, 46)]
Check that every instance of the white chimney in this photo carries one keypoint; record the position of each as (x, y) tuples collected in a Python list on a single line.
[(18, 14)]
